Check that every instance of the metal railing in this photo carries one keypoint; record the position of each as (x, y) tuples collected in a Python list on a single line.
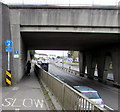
[(68, 98)]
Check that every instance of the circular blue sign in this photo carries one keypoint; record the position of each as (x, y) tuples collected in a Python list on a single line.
[(8, 43), (16, 52)]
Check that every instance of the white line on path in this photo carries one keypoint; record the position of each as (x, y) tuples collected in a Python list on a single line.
[(15, 88), (17, 110)]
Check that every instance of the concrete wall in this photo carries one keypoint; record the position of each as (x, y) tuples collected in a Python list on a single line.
[(15, 35), (119, 74), (23, 59), (18, 45), (1, 56), (10, 30), (5, 35), (52, 16), (70, 19)]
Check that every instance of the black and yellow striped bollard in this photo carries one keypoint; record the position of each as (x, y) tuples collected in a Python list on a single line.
[(8, 77)]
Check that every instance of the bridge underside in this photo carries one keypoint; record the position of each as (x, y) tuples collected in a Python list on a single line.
[(99, 49), (92, 31), (68, 40)]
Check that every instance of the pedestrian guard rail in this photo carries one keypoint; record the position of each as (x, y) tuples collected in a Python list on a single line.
[(69, 98)]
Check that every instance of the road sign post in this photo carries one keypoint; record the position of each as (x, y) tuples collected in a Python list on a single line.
[(8, 61), (8, 44)]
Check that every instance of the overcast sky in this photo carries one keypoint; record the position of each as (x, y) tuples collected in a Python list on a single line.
[(63, 2), (55, 52)]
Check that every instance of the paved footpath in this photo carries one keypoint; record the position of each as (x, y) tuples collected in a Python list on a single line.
[(27, 95)]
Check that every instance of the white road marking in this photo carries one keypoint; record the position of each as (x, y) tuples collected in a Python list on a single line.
[(8, 101), (27, 102), (31, 102), (38, 102), (15, 88), (108, 107), (17, 110), (13, 104)]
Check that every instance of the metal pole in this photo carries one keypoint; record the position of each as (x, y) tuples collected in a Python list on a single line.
[(8, 61), (8, 72), (63, 60)]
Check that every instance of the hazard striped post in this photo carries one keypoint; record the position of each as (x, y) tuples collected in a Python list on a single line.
[(8, 44), (8, 77)]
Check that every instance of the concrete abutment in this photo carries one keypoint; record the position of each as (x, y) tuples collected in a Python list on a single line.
[(10, 30), (102, 58), (116, 64), (5, 34)]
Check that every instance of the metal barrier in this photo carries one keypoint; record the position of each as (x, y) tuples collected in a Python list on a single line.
[(69, 98), (74, 72)]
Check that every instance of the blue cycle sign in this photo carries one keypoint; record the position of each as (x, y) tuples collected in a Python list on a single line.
[(8, 43)]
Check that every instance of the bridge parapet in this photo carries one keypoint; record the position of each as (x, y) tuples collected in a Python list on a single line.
[(62, 28), (66, 16), (69, 98)]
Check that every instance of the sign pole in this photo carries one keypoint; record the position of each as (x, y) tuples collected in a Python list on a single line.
[(8, 61), (8, 80)]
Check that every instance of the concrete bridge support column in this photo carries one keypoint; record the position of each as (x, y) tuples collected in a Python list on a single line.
[(116, 64), (4, 35), (15, 35), (107, 69), (100, 65), (90, 62), (23, 58), (1, 71), (19, 45), (21, 61), (82, 63)]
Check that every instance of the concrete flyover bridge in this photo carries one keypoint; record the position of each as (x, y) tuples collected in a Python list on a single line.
[(94, 31)]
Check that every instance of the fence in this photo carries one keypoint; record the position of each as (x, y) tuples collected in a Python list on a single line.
[(69, 98)]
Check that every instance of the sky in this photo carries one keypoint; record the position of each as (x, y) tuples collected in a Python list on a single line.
[(63, 2), (55, 52)]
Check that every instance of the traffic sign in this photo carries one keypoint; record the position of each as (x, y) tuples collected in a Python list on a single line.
[(16, 52), (16, 56), (8, 49), (8, 43)]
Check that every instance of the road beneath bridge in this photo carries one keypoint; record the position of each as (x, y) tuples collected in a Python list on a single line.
[(108, 94)]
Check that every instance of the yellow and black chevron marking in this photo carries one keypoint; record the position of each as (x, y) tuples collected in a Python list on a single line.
[(8, 78)]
